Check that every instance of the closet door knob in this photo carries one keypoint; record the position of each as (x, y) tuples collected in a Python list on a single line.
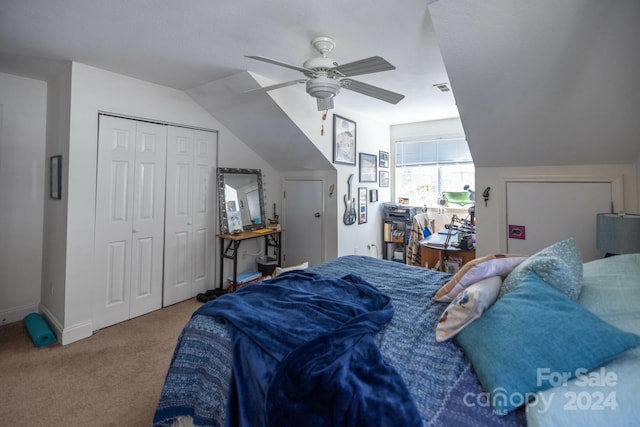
[(188, 222), (136, 230)]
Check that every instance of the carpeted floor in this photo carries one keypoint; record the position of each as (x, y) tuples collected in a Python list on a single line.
[(112, 378)]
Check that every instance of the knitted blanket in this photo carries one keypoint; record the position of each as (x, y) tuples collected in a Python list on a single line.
[(440, 379)]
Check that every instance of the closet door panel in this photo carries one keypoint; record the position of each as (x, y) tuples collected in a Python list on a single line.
[(200, 257), (114, 212), (190, 214), (148, 218), (117, 269), (179, 213), (129, 219), (204, 209)]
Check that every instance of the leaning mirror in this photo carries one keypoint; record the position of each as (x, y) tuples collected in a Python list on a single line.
[(241, 201)]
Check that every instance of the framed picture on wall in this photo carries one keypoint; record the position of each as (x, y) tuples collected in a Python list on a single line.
[(368, 168), (373, 195), (344, 140), (362, 205), (383, 159), (384, 178), (55, 177)]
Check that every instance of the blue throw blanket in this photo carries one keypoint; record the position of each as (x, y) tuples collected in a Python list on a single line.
[(304, 354)]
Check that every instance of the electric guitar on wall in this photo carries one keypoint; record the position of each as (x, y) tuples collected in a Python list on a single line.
[(349, 205)]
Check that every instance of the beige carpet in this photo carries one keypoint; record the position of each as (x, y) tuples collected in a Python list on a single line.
[(113, 378)]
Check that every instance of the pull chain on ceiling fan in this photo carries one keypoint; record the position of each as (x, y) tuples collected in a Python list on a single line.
[(325, 77)]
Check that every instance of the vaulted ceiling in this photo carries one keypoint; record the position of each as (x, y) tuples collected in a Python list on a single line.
[(187, 44), (542, 82)]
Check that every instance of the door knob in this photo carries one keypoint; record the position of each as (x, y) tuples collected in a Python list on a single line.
[(136, 230), (188, 222), (317, 214)]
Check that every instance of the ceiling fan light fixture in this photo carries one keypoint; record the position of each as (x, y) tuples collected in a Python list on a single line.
[(323, 87), (326, 77), (324, 104)]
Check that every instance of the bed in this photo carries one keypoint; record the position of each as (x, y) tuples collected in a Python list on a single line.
[(439, 377)]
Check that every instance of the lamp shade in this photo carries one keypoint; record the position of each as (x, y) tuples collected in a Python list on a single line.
[(618, 233)]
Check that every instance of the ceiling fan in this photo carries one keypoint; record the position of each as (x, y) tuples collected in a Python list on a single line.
[(325, 77)]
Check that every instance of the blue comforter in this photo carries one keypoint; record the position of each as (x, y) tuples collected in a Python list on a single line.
[(304, 354), (440, 379)]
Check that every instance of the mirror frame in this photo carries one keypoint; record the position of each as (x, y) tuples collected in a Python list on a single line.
[(224, 222)]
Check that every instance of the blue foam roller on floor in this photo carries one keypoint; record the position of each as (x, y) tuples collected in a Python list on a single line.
[(41, 333)]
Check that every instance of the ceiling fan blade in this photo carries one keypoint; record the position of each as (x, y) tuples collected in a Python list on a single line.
[(373, 91), (278, 86), (364, 66), (280, 63)]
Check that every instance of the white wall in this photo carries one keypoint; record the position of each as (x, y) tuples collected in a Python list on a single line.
[(371, 136), (22, 171), (54, 244), (491, 220), (94, 90)]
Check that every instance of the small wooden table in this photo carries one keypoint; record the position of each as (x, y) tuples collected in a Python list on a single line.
[(437, 255), (433, 252), (272, 239)]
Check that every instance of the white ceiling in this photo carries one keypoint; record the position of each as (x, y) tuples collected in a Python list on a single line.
[(187, 44), (542, 82)]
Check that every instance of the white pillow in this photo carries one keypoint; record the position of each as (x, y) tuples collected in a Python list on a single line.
[(280, 270), (467, 306), (477, 270)]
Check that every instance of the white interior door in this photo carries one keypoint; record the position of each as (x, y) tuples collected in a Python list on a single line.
[(302, 220), (147, 244), (542, 213), (190, 216), (204, 212), (129, 219)]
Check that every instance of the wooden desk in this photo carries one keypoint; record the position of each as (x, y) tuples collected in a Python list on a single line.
[(437, 255), (272, 239)]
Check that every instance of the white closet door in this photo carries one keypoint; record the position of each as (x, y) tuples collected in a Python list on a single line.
[(189, 218), (547, 212), (148, 218), (129, 219), (204, 211)]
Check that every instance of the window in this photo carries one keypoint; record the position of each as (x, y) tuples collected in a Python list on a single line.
[(424, 169)]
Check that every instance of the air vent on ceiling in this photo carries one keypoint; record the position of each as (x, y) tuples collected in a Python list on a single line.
[(442, 87)]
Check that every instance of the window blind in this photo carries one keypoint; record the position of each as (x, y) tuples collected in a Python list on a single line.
[(439, 151)]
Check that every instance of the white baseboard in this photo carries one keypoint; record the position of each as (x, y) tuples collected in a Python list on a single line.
[(16, 314), (76, 332), (67, 335)]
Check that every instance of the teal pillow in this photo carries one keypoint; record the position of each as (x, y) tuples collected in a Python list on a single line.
[(560, 265), (526, 340)]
